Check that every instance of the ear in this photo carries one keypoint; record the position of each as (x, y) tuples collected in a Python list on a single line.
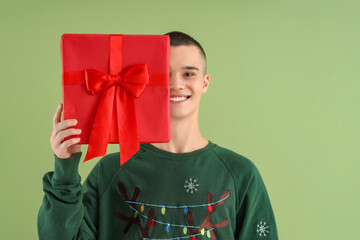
[(206, 82)]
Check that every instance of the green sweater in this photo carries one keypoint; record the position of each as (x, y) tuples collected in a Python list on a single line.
[(210, 193)]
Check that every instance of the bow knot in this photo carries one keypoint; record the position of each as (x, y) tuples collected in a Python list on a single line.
[(115, 78)]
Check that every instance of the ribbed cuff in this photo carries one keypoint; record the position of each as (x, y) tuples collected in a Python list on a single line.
[(66, 169)]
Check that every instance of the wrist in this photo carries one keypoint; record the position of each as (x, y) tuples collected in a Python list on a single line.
[(66, 169)]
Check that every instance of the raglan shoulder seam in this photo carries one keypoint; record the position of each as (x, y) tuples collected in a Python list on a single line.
[(107, 185), (229, 170), (233, 177)]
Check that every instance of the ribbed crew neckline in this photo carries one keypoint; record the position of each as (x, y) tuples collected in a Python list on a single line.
[(171, 155)]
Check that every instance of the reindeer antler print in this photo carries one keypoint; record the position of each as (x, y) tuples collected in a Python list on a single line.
[(207, 224), (135, 217)]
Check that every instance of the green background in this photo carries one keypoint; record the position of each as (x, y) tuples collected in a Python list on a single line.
[(284, 92)]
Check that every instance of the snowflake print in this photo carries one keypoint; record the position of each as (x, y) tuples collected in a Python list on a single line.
[(262, 229), (191, 185)]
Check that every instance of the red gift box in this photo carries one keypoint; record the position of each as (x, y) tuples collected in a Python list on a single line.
[(117, 87)]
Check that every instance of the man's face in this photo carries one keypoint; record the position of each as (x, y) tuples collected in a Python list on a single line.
[(187, 81)]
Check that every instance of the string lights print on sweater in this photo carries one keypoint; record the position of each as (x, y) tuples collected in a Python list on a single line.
[(189, 230)]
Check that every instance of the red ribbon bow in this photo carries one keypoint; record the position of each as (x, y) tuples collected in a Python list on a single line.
[(118, 96)]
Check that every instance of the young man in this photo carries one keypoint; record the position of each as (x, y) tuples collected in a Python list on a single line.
[(188, 188)]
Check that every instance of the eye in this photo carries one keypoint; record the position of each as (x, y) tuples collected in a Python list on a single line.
[(189, 74)]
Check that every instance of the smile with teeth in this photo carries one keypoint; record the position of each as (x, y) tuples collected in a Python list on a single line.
[(179, 99)]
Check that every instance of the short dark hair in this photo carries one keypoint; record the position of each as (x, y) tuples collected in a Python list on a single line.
[(182, 39)]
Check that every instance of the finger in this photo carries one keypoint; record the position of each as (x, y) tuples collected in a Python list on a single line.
[(68, 143), (57, 115), (56, 119), (59, 138), (64, 125)]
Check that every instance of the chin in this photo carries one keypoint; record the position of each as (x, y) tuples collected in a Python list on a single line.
[(179, 115)]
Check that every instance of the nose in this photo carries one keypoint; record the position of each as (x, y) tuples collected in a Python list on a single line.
[(176, 82)]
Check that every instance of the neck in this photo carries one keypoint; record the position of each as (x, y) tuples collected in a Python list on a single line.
[(185, 136)]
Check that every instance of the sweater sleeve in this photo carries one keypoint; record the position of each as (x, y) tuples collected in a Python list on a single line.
[(255, 217), (68, 210)]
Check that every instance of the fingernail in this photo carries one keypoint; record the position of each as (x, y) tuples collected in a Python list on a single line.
[(75, 121)]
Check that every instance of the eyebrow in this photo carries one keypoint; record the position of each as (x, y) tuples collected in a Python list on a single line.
[(190, 68)]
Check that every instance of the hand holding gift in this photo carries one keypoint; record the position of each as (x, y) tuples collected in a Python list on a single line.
[(61, 130)]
